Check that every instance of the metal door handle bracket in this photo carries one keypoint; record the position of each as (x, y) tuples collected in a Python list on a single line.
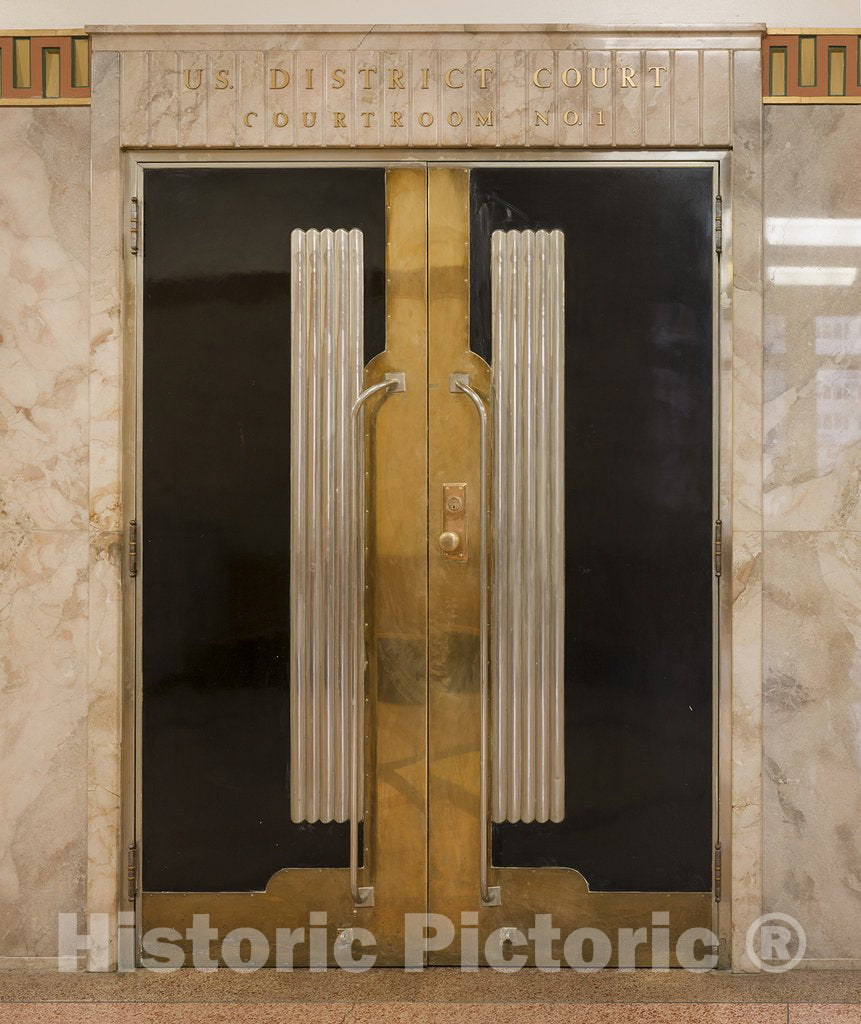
[(397, 382)]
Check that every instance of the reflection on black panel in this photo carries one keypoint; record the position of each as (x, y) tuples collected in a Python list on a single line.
[(638, 497), (216, 514)]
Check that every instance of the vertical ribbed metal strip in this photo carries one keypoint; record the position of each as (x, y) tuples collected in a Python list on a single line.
[(327, 353), (528, 523)]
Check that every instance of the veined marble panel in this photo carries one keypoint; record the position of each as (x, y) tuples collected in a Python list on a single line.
[(812, 736), (43, 708), (44, 412), (413, 95), (746, 874), (104, 624), (105, 353), (104, 783), (43, 315), (747, 294), (812, 462), (812, 468), (746, 489)]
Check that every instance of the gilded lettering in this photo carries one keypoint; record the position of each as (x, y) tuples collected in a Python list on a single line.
[(482, 76), (279, 78), (402, 78), (536, 78), (658, 70)]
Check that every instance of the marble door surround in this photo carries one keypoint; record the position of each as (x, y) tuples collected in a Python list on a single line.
[(430, 92)]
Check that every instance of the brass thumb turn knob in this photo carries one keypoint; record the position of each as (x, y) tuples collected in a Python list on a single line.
[(449, 541)]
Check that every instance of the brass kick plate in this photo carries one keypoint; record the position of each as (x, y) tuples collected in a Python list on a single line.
[(452, 540)]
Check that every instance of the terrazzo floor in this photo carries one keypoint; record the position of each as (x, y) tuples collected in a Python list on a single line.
[(430, 997)]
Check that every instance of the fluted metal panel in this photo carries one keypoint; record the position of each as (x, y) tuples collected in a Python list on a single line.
[(327, 347), (528, 523)]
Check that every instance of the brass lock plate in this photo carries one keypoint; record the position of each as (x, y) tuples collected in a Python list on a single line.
[(453, 523)]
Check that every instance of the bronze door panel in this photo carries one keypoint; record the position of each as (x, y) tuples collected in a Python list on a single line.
[(394, 822), (663, 735), (495, 835)]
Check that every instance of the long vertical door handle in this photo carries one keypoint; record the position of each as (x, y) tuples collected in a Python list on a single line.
[(490, 895), (363, 896)]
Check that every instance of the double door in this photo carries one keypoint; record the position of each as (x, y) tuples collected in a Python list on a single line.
[(425, 500)]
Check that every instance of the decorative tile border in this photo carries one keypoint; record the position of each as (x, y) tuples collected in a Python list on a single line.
[(44, 69), (806, 66)]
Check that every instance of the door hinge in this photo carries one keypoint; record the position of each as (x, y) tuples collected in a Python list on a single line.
[(133, 548), (718, 545), (132, 872), (717, 873), (134, 225), (718, 224)]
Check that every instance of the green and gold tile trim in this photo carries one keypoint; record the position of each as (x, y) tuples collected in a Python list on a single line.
[(810, 66), (44, 69), (798, 66)]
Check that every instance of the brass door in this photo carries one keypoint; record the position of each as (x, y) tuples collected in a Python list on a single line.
[(493, 808), (215, 563), (539, 846)]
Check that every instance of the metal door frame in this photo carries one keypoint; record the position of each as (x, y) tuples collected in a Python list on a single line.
[(454, 209), (406, 191), (137, 161)]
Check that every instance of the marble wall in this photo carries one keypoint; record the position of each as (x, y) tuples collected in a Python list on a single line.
[(44, 468), (741, 496), (796, 513), (812, 523)]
